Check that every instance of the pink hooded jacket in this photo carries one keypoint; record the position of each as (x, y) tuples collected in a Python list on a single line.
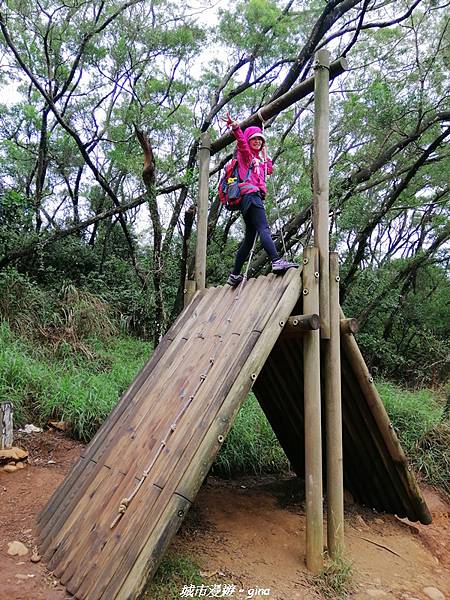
[(250, 158)]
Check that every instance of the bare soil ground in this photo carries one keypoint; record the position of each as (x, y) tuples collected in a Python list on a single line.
[(249, 532)]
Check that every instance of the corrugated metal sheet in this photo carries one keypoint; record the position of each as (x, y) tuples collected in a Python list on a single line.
[(158, 444), (376, 471)]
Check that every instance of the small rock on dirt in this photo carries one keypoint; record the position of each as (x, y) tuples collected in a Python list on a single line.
[(433, 593), (10, 468), (17, 549), (12, 454)]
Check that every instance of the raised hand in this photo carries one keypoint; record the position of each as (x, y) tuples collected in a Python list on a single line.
[(229, 121)]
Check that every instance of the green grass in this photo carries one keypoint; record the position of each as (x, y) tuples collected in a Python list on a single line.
[(251, 446), (67, 387), (417, 419), (174, 572)]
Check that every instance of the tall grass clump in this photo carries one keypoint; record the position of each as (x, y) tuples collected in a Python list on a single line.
[(425, 437), (81, 393), (58, 320), (251, 446), (336, 581)]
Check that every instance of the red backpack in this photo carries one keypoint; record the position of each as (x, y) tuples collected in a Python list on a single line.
[(231, 187)]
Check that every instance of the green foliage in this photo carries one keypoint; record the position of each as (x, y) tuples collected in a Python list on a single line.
[(69, 315), (404, 336), (417, 419), (43, 388), (251, 445)]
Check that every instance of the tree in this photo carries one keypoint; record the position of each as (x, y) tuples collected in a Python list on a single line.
[(91, 75)]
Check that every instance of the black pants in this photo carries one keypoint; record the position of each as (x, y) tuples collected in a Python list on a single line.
[(254, 215)]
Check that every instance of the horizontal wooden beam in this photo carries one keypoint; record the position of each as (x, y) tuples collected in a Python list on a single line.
[(300, 324), (279, 104), (349, 326)]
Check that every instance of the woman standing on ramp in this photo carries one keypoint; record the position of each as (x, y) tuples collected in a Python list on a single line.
[(253, 168)]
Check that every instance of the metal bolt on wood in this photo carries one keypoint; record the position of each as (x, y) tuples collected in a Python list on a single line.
[(220, 439), (305, 292)]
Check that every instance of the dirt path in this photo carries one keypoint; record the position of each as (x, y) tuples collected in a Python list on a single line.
[(249, 533)]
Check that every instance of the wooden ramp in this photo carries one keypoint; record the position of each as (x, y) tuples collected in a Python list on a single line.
[(160, 441), (106, 528)]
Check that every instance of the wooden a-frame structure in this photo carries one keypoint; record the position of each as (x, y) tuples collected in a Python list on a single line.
[(105, 530)]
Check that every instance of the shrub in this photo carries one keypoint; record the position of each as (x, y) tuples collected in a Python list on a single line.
[(251, 446)]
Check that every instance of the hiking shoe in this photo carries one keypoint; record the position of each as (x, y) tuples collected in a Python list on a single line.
[(281, 265), (234, 280)]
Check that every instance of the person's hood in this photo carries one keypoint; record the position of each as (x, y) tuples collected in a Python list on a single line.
[(252, 132)]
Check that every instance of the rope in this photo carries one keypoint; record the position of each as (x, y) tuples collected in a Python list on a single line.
[(125, 502)]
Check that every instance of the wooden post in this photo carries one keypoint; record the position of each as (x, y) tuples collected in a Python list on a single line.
[(349, 326), (313, 428), (298, 325), (6, 419), (321, 187), (333, 412), (202, 211), (189, 291)]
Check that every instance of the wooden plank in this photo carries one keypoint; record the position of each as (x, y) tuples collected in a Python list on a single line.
[(375, 491), (391, 490), (278, 397), (193, 477), (99, 440), (99, 450), (82, 508), (244, 312), (190, 372), (228, 375)]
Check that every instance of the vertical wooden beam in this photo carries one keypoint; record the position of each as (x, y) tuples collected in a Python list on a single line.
[(189, 291), (204, 154), (333, 412), (6, 419), (321, 176), (313, 428)]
